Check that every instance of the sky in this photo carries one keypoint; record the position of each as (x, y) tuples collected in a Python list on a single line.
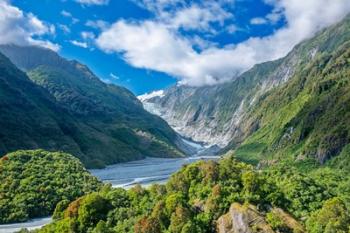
[(147, 45)]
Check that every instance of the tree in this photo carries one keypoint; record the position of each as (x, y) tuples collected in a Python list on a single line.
[(333, 217), (93, 208), (147, 225)]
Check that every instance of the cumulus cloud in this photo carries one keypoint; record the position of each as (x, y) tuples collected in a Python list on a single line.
[(93, 2), (196, 17), (21, 28), (155, 45)]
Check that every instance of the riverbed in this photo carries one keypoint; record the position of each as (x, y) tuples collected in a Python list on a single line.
[(125, 175), (144, 172), (30, 225)]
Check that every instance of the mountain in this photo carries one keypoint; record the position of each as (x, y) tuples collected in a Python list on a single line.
[(289, 103), (308, 116), (61, 105), (213, 114)]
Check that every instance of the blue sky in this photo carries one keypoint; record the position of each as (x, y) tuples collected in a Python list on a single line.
[(147, 45)]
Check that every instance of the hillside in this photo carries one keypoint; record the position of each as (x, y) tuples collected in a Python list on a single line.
[(33, 182), (295, 105), (100, 123), (307, 117), (213, 114), (225, 196)]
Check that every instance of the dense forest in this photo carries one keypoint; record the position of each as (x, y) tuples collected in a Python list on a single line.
[(33, 182), (197, 198)]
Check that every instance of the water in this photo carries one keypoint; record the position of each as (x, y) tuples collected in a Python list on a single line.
[(30, 225), (150, 170), (144, 172), (125, 175)]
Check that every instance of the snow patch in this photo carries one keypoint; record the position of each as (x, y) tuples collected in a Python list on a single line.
[(151, 95)]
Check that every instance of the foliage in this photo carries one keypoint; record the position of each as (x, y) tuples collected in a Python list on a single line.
[(33, 182), (196, 196), (60, 105), (277, 223), (306, 117), (333, 217)]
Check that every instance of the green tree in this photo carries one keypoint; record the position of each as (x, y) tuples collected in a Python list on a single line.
[(333, 217)]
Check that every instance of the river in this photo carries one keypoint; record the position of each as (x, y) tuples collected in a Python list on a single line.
[(30, 225), (144, 172), (125, 175)]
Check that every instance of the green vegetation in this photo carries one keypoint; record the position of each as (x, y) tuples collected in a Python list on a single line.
[(298, 135), (195, 197), (33, 182), (333, 217), (308, 116), (62, 106)]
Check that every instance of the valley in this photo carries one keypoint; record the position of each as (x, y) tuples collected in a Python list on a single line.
[(266, 150), (126, 175)]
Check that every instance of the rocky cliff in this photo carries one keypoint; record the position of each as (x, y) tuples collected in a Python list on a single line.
[(247, 219)]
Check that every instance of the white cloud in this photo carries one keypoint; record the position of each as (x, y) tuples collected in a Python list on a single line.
[(64, 28), (21, 28), (87, 35), (97, 24), (66, 14), (178, 14), (231, 28), (258, 20), (196, 17), (158, 6), (151, 95), (152, 44), (93, 2), (79, 43), (272, 18)]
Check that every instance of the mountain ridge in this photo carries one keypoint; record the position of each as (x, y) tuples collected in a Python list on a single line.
[(104, 123), (221, 114)]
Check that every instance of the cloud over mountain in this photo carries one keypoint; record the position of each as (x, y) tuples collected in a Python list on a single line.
[(162, 44), (22, 28)]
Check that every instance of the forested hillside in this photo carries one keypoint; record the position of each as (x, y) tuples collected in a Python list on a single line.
[(224, 196), (33, 182), (64, 106), (307, 117)]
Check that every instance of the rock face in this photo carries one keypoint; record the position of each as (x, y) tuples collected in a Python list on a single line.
[(213, 114), (296, 106), (242, 219), (247, 219)]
